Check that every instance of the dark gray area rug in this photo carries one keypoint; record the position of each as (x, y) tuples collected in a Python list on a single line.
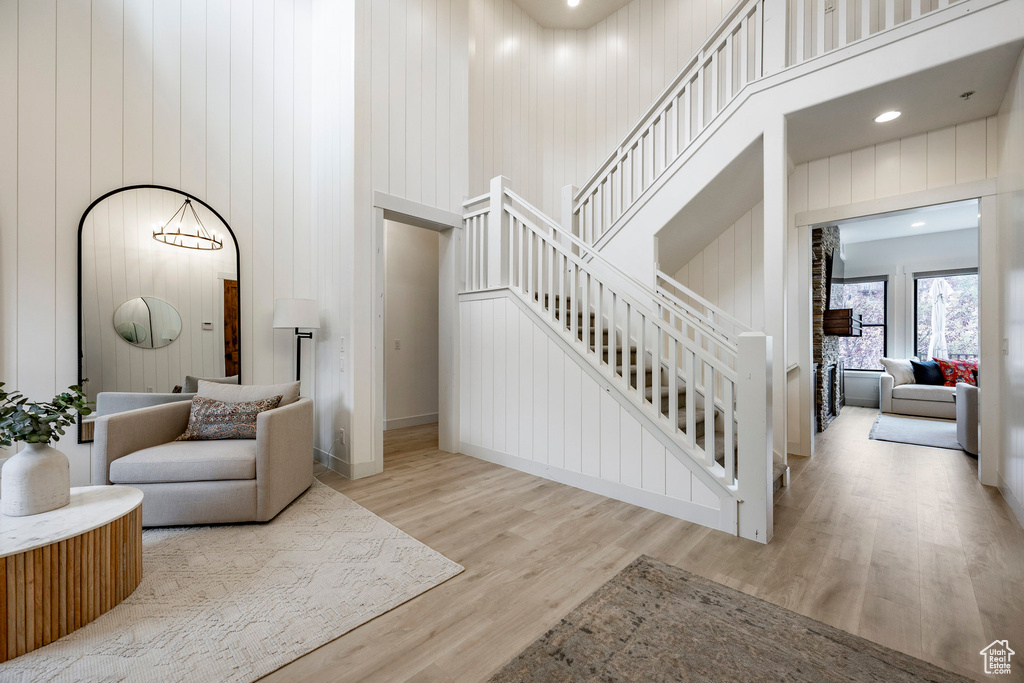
[(655, 622), (917, 431)]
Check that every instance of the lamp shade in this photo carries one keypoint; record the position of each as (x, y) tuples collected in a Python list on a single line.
[(296, 313)]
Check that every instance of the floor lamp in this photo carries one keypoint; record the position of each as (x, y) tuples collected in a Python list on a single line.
[(297, 314)]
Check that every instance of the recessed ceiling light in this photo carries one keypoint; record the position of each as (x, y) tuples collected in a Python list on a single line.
[(573, 3), (918, 224), (887, 116)]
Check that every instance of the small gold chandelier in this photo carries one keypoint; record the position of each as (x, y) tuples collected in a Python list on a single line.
[(173, 233)]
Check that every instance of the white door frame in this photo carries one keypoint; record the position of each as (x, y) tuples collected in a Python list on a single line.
[(448, 225), (988, 262)]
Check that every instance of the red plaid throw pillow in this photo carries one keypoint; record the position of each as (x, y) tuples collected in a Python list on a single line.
[(957, 371)]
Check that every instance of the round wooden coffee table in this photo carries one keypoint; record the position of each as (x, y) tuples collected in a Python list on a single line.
[(61, 569)]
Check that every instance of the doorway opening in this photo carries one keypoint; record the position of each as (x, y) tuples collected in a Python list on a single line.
[(896, 300), (411, 335)]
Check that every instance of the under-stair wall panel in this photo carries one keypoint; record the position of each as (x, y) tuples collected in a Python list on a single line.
[(570, 427)]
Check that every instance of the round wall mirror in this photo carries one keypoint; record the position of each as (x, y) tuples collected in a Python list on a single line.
[(147, 322)]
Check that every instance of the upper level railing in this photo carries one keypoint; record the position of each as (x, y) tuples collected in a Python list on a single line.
[(820, 26), (729, 60)]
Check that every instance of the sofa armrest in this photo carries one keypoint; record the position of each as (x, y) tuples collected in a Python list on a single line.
[(122, 433), (967, 396), (284, 456), (885, 385)]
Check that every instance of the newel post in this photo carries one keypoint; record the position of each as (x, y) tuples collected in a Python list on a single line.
[(497, 235), (754, 414)]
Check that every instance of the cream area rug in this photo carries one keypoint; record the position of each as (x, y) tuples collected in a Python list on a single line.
[(233, 603)]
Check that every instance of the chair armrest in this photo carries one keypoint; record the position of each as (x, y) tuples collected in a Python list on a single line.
[(122, 433), (110, 402), (284, 456), (885, 384)]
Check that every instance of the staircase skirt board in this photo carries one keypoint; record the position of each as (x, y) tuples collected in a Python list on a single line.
[(718, 514)]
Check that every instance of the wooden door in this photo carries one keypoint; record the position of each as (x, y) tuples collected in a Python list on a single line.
[(231, 334)]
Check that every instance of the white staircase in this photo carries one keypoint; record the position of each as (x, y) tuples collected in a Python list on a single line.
[(708, 393), (687, 370)]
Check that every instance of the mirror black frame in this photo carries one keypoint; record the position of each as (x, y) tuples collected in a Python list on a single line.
[(81, 228)]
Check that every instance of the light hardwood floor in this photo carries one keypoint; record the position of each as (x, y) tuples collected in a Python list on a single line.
[(899, 544)]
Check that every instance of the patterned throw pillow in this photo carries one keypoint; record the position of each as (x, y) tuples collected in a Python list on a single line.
[(954, 371), (211, 419)]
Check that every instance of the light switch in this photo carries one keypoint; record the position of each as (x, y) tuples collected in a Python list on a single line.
[(1006, 346), (342, 345)]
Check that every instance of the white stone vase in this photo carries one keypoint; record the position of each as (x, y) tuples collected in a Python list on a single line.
[(35, 480)]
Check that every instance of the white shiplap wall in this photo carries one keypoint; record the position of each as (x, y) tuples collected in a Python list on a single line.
[(728, 272), (415, 58), (209, 97), (548, 105), (1011, 208), (528, 404), (122, 261)]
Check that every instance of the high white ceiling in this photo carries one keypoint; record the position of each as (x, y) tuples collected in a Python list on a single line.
[(558, 14), (929, 100), (884, 226)]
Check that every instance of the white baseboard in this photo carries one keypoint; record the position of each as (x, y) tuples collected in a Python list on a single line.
[(1011, 500), (411, 421), (680, 509), (346, 469)]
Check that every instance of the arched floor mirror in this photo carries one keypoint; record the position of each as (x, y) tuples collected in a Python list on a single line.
[(158, 299)]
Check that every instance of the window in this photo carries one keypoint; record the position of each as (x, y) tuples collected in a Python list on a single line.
[(868, 297), (962, 331)]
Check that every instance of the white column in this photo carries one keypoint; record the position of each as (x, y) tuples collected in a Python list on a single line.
[(776, 220), (754, 460), (991, 296)]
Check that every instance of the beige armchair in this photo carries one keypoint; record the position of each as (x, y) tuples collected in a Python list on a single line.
[(206, 482)]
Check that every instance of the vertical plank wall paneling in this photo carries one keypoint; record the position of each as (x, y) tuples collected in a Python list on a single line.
[(548, 105), (1009, 139), (416, 63), (108, 93), (564, 427)]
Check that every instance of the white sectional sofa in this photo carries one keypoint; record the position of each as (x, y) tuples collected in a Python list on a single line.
[(916, 399)]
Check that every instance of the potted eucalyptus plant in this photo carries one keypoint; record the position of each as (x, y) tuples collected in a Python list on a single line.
[(37, 479)]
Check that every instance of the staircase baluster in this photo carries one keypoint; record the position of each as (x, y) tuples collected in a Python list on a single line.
[(673, 384), (709, 413)]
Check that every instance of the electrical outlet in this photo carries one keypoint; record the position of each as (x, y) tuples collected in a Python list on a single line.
[(398, 345), (149, 390), (341, 436), (830, 5), (342, 344), (341, 364)]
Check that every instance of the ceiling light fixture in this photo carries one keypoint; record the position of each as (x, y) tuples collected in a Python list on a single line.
[(919, 224), (195, 236), (573, 3), (887, 116)]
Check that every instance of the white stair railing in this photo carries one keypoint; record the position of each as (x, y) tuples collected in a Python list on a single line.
[(729, 60), (692, 313), (672, 378)]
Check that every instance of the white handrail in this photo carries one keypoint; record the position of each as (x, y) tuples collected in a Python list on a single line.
[(698, 322)]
